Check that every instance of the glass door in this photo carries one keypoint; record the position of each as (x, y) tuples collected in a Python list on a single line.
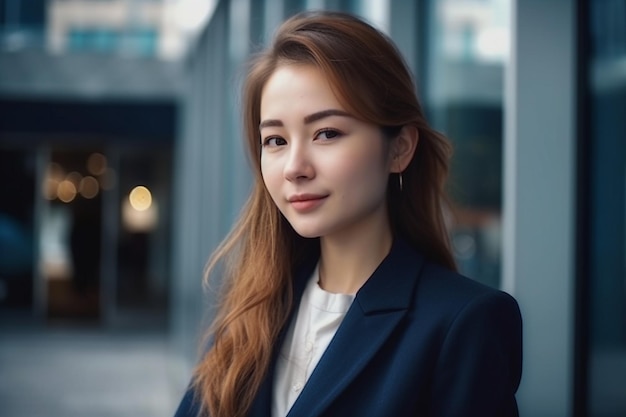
[(606, 207)]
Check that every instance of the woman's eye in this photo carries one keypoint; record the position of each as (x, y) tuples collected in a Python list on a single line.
[(274, 141), (328, 134)]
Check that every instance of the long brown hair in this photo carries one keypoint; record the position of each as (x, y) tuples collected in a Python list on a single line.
[(372, 81)]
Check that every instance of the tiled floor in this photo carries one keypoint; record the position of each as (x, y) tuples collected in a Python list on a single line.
[(69, 371)]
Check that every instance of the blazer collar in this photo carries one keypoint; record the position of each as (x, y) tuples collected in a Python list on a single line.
[(377, 309), (391, 285)]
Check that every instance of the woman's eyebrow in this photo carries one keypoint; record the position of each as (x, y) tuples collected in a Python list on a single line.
[(270, 123), (307, 119), (325, 113)]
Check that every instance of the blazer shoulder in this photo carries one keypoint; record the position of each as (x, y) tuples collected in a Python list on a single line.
[(478, 331), (450, 292)]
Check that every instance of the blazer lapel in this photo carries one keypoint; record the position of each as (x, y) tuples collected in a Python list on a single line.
[(377, 309)]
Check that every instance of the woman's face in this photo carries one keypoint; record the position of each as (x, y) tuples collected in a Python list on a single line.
[(325, 170)]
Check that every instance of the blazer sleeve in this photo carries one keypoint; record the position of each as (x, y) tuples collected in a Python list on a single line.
[(479, 367)]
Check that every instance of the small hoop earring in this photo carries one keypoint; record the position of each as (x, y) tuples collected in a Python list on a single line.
[(400, 180)]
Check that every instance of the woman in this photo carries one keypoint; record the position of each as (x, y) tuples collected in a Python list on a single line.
[(341, 297)]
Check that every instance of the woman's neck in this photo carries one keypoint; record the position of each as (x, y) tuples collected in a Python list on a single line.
[(346, 262)]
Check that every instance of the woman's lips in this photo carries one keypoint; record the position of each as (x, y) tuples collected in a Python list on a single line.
[(306, 202)]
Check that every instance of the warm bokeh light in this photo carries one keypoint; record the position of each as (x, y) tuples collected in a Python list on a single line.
[(139, 221), (55, 171), (89, 187), (50, 187), (96, 163), (66, 191), (140, 198), (75, 178)]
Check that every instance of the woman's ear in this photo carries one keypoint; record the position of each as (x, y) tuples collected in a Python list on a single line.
[(403, 148)]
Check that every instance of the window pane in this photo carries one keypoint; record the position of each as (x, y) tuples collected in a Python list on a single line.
[(467, 50), (607, 280)]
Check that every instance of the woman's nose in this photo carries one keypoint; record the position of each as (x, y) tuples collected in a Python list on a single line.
[(299, 165)]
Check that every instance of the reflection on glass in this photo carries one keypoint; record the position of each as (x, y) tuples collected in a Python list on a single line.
[(75, 178), (464, 94), (66, 191), (56, 171), (474, 30), (89, 187), (139, 28), (607, 278), (50, 187), (139, 221), (140, 198), (96, 163)]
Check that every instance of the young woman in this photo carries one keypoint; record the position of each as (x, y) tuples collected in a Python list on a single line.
[(341, 297)]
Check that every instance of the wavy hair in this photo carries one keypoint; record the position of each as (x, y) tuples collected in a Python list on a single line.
[(371, 79)]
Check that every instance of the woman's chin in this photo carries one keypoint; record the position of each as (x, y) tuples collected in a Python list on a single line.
[(307, 231)]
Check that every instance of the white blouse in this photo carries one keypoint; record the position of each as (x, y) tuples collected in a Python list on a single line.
[(319, 315)]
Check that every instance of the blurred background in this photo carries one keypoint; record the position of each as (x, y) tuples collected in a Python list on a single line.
[(122, 168)]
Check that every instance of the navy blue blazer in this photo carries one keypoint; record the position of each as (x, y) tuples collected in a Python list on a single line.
[(419, 340)]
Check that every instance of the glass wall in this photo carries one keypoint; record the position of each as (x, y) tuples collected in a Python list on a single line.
[(606, 158), (467, 47), (22, 24), (77, 78)]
